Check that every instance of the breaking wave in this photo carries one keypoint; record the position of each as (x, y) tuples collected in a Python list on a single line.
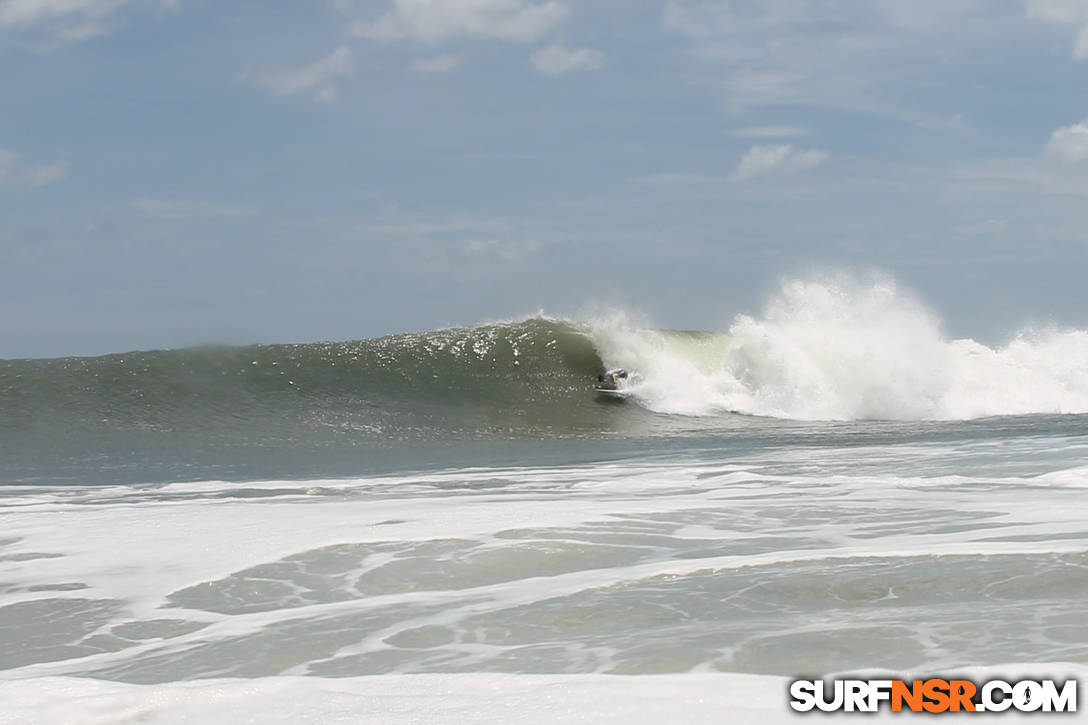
[(843, 349), (838, 349)]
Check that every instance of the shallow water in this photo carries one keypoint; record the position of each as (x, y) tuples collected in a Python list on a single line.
[(756, 557)]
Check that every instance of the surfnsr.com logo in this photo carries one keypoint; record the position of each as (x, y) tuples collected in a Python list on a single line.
[(933, 695)]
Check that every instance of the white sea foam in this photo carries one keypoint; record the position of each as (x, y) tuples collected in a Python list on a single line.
[(788, 560), (847, 349), (463, 699)]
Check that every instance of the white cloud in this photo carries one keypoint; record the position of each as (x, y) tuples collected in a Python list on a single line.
[(1069, 144), (431, 20), (555, 59), (770, 132), (510, 251), (16, 13), (1071, 12), (838, 54), (437, 64), (675, 178), (988, 227), (1080, 48), (1022, 176), (763, 160), (83, 31), (1059, 11), (15, 173), (174, 210), (318, 77), (42, 175), (72, 20)]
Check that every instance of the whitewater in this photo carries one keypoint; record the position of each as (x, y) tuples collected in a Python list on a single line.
[(847, 350), (448, 526)]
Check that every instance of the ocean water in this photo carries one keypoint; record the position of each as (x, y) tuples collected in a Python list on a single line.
[(449, 526)]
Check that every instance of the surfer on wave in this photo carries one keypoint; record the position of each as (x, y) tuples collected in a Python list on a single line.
[(613, 379)]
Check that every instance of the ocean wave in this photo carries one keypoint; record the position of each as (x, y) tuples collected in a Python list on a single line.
[(527, 375), (822, 349)]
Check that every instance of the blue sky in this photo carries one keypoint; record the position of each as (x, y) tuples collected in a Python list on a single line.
[(177, 172)]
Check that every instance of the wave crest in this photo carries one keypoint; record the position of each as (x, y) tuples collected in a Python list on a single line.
[(847, 349)]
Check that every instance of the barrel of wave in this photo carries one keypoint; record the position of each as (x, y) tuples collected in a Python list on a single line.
[(678, 372)]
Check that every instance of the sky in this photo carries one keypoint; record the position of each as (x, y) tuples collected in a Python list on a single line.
[(178, 172)]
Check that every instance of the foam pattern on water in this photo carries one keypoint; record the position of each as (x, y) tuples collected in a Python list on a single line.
[(802, 560)]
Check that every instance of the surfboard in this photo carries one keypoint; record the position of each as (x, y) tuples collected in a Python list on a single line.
[(612, 393)]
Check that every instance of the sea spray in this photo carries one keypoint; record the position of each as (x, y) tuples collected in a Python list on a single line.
[(844, 348), (839, 349)]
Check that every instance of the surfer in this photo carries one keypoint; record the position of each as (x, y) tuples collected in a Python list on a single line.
[(612, 379)]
